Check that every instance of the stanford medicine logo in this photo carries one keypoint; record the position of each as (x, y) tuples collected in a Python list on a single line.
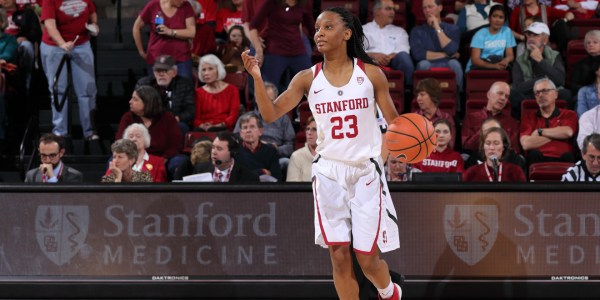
[(471, 230), (61, 230)]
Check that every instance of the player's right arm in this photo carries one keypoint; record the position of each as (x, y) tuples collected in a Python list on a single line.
[(271, 111)]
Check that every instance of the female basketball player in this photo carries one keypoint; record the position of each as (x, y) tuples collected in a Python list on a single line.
[(352, 202)]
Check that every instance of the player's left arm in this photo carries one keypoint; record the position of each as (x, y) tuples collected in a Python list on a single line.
[(382, 92)]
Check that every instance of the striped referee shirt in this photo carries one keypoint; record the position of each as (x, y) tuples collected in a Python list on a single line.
[(579, 172)]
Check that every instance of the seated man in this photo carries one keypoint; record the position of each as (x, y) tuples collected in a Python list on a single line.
[(279, 133), (589, 123), (435, 43), (387, 44), (177, 92), (497, 99), (538, 61), (547, 134), (52, 169), (223, 166), (588, 168), (259, 157)]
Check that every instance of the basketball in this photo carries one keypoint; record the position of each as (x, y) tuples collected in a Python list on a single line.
[(410, 138)]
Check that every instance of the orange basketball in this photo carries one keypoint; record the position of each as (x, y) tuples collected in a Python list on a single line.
[(410, 138)]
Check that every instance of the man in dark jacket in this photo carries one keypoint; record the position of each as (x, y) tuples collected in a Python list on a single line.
[(52, 169), (177, 92)]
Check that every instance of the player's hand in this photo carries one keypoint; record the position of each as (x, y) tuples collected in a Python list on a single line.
[(251, 64)]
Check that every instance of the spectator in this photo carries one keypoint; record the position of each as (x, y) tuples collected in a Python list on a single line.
[(52, 169), (300, 166), (550, 16), (279, 133), (492, 46), (121, 166), (8, 54), (547, 133), (538, 61), (155, 165), (497, 97), (171, 26), (443, 159), (583, 72), (475, 15), (176, 92), (515, 3), (581, 9), (231, 52), (588, 96), (387, 43), (200, 154), (435, 44), (228, 15), (510, 156), (588, 168), (65, 33), (589, 123), (260, 158), (204, 41), (286, 46), (428, 97), (166, 139), (217, 102), (223, 165), (494, 147), (24, 24), (399, 171)]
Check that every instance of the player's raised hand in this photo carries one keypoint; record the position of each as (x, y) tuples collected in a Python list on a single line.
[(251, 64)]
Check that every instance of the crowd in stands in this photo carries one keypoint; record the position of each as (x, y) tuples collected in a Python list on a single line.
[(187, 117)]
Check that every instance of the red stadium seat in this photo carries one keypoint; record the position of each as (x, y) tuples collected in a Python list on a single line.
[(351, 5), (583, 26), (447, 81), (575, 52), (300, 139), (240, 80), (480, 81), (304, 112), (192, 136), (548, 171), (399, 17), (396, 84)]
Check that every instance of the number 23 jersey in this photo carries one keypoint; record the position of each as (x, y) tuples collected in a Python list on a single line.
[(346, 123)]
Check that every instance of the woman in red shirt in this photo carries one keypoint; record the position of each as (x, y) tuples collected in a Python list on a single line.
[(443, 159)]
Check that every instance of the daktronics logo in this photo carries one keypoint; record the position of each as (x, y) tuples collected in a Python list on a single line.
[(471, 230)]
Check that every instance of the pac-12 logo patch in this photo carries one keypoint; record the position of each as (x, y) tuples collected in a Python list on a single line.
[(471, 230), (61, 230)]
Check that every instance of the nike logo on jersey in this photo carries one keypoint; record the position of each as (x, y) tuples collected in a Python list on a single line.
[(316, 92), (368, 183)]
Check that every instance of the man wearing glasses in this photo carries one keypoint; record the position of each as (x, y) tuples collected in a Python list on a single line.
[(52, 169), (538, 61), (547, 134)]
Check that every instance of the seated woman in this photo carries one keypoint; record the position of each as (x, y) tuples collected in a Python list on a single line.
[(494, 146), (443, 159), (121, 166), (582, 70), (300, 166), (428, 97), (399, 171), (217, 102), (200, 154), (510, 156), (146, 109), (588, 96), (231, 52), (492, 46), (155, 165)]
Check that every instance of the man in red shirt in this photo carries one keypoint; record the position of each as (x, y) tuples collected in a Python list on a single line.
[(497, 97), (547, 134)]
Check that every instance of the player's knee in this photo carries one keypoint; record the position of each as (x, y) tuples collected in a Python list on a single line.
[(341, 258), (369, 263)]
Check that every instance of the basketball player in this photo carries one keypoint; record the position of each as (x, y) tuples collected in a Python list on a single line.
[(352, 202)]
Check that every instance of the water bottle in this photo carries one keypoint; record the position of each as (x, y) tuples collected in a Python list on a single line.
[(158, 20)]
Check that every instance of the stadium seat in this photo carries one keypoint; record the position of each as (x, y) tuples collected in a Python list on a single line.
[(531, 105), (192, 136), (303, 112), (240, 80), (548, 171), (480, 81), (399, 17), (396, 84), (447, 81), (300, 139), (575, 52), (350, 5), (582, 26)]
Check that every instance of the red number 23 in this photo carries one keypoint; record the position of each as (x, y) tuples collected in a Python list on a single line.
[(338, 124)]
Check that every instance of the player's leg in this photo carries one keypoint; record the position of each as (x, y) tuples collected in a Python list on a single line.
[(377, 271), (343, 274)]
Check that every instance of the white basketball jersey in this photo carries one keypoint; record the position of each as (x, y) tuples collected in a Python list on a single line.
[(346, 123)]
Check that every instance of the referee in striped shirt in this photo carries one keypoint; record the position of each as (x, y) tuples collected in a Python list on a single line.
[(587, 169)]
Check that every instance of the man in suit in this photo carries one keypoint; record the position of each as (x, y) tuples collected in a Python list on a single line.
[(52, 169), (223, 166)]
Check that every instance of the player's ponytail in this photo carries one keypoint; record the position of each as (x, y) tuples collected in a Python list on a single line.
[(355, 46)]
